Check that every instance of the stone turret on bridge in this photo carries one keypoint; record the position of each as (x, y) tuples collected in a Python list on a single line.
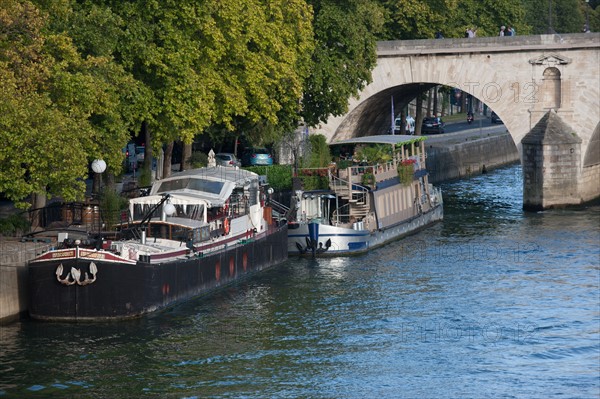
[(523, 79)]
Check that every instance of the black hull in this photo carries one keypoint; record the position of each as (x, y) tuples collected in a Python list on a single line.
[(130, 290)]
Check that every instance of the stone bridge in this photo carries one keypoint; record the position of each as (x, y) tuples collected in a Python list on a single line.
[(545, 88)]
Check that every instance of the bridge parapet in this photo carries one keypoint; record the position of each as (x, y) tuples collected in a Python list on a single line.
[(488, 44)]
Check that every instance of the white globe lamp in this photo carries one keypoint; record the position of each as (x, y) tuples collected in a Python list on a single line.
[(98, 166), (169, 209)]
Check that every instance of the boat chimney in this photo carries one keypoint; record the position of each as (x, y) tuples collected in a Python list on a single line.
[(144, 237)]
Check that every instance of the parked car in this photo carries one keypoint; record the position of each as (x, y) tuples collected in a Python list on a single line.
[(226, 159), (140, 154), (409, 128), (432, 125), (495, 118), (257, 156)]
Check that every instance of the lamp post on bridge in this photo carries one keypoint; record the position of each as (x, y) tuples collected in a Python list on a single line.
[(550, 29), (586, 28)]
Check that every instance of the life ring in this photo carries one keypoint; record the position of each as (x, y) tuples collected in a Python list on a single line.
[(226, 225)]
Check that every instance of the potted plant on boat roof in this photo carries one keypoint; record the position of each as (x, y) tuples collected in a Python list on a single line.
[(406, 171), (368, 178)]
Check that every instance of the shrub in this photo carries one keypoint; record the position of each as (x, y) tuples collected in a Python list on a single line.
[(145, 177), (344, 163), (320, 155), (279, 177), (111, 205), (198, 159), (406, 171), (14, 224), (368, 178)]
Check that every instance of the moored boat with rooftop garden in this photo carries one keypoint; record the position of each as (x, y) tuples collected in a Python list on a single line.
[(368, 202)]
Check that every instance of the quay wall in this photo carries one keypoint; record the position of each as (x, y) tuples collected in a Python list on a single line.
[(457, 160), (13, 276)]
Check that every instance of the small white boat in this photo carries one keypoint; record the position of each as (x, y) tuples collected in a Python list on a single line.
[(366, 205)]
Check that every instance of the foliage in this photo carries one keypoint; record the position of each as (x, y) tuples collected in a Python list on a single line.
[(373, 154), (13, 224), (145, 178), (50, 93), (406, 171), (344, 163), (319, 152), (314, 182), (345, 53), (199, 159), (279, 177), (409, 19), (567, 16), (90, 72), (213, 62), (368, 178), (111, 205)]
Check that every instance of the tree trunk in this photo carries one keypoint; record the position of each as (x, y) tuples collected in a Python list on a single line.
[(429, 97), (167, 160), (419, 115), (148, 145), (186, 157), (38, 201), (110, 179), (435, 101)]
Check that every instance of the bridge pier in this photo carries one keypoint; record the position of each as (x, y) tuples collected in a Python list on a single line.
[(552, 165)]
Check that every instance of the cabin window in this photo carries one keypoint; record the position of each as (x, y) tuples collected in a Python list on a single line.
[(201, 234), (209, 186), (194, 212), (253, 192)]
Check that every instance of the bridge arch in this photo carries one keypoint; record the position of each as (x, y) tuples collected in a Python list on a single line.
[(521, 78)]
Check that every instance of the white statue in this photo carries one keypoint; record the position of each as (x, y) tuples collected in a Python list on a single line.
[(212, 162)]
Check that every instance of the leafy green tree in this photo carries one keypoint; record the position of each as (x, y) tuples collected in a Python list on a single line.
[(412, 19), (563, 16), (215, 62), (345, 53), (54, 102)]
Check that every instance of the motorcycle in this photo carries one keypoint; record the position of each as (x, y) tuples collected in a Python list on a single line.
[(469, 118)]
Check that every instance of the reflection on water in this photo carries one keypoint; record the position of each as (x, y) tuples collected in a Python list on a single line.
[(493, 302)]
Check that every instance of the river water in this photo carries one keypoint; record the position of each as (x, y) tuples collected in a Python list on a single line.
[(492, 303)]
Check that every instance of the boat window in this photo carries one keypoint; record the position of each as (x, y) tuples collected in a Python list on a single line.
[(201, 234), (253, 193), (208, 186), (171, 185), (213, 187), (194, 212)]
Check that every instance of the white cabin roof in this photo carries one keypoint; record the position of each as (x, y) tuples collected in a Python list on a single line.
[(203, 186)]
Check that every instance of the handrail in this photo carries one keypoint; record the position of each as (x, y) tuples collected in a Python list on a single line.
[(347, 183), (279, 207), (339, 217)]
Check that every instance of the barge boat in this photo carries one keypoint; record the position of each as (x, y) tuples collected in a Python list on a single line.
[(367, 204), (194, 232)]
